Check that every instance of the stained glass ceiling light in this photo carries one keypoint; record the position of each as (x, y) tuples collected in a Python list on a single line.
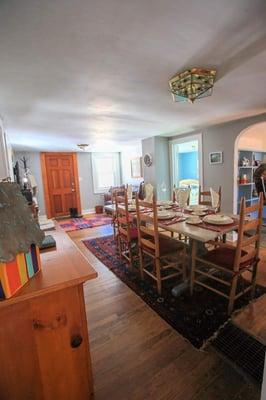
[(192, 84)]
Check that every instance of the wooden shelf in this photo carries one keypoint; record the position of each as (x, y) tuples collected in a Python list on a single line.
[(64, 267)]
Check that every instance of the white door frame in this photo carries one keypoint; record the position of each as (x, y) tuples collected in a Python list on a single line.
[(184, 139)]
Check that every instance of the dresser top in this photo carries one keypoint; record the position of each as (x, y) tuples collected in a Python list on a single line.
[(64, 267)]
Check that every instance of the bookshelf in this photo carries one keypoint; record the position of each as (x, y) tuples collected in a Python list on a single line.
[(247, 189)]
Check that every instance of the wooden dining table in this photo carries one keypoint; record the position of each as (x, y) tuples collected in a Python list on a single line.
[(195, 233)]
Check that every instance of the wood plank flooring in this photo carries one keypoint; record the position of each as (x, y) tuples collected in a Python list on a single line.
[(136, 355)]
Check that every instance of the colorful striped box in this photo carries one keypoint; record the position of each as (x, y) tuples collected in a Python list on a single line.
[(14, 274)]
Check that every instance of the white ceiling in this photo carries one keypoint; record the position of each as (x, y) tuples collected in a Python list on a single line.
[(96, 71)]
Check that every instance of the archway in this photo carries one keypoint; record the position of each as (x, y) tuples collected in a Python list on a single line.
[(252, 138)]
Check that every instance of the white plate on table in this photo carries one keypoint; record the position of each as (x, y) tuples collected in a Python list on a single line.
[(165, 215), (218, 219)]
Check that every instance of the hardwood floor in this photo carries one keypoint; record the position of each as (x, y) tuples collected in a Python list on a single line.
[(136, 355)]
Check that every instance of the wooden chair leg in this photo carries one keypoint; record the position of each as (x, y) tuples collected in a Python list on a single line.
[(119, 246), (224, 238), (232, 294), (193, 265), (114, 231), (158, 275), (253, 280), (130, 255), (141, 263)]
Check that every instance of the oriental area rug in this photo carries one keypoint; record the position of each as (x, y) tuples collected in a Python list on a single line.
[(74, 224), (197, 318)]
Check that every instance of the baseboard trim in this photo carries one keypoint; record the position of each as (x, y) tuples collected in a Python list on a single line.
[(89, 211)]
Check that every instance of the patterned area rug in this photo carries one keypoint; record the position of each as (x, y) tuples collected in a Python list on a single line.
[(196, 318), (75, 224)]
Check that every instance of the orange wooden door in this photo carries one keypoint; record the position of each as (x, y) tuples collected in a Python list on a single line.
[(62, 188)]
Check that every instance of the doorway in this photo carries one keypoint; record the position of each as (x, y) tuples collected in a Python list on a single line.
[(186, 164), (61, 183)]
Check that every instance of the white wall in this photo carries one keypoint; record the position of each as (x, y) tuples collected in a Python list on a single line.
[(254, 138), (6, 169)]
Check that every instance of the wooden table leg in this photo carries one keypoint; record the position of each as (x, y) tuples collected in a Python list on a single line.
[(194, 245)]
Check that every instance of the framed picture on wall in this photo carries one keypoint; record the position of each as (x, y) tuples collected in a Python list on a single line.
[(216, 157), (136, 167)]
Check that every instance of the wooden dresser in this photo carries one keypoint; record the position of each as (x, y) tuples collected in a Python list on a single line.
[(44, 346)]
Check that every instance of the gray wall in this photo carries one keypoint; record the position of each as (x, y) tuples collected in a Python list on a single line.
[(88, 198), (149, 173), (220, 137), (159, 171), (162, 167)]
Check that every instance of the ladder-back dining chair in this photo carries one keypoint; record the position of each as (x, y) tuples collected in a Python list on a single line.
[(127, 233), (206, 198), (161, 257), (232, 261), (116, 191), (181, 196)]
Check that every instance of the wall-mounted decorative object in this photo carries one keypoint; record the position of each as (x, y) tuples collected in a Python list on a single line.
[(245, 162), (82, 146), (20, 237), (147, 159), (136, 167), (216, 157), (192, 84)]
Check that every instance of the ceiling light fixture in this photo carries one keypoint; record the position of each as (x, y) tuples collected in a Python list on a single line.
[(82, 146), (192, 84)]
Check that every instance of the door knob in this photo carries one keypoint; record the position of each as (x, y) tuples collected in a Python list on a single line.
[(76, 341)]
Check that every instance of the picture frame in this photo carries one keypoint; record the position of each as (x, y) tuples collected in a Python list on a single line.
[(216, 157), (136, 167)]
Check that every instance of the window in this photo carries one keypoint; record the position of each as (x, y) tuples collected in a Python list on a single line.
[(106, 171)]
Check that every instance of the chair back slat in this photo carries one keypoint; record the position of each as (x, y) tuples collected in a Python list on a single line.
[(252, 224), (244, 226), (251, 209), (123, 218), (148, 244), (205, 198), (148, 237), (117, 191), (249, 241)]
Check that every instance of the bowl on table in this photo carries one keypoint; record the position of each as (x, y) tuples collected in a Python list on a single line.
[(199, 213), (166, 204), (194, 220)]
